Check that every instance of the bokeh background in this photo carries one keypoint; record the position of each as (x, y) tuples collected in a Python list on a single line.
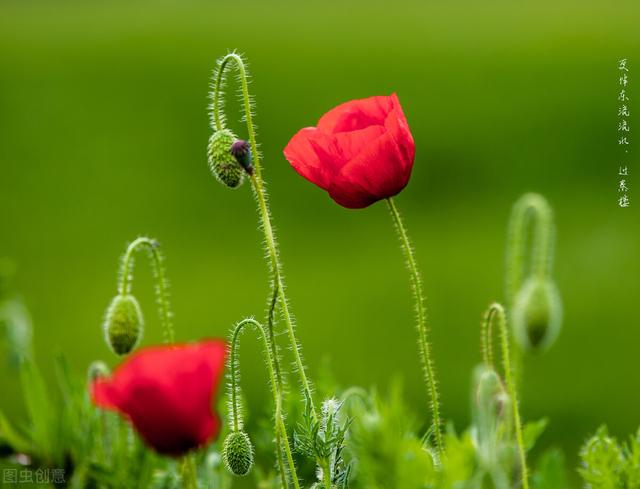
[(103, 130)]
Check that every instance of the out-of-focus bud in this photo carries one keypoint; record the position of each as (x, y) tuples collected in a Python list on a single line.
[(537, 314), (123, 324)]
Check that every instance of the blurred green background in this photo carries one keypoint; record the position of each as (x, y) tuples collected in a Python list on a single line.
[(103, 131)]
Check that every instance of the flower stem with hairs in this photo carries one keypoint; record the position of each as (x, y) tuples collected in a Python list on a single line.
[(496, 312), (423, 331)]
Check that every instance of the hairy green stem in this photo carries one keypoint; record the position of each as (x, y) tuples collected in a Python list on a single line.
[(263, 209), (531, 222), (423, 332), (282, 442), (496, 311), (326, 474), (162, 295)]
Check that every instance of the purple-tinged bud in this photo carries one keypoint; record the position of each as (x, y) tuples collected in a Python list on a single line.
[(223, 165), (241, 151)]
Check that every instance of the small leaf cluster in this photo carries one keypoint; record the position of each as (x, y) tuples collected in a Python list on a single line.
[(323, 439), (610, 464)]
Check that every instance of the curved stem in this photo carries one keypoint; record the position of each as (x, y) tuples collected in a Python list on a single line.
[(162, 294), (530, 211), (486, 343), (272, 250), (497, 311), (257, 185), (281, 431), (531, 221), (423, 333)]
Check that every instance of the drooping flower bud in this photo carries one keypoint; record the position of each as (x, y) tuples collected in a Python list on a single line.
[(491, 407), (123, 324), (222, 163), (491, 398), (241, 151), (237, 453), (537, 314)]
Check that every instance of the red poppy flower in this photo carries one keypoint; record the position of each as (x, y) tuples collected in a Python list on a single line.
[(167, 393), (360, 152)]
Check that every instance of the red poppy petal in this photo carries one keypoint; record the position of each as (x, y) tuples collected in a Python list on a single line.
[(350, 144), (396, 123), (356, 114), (378, 172), (104, 395), (312, 155)]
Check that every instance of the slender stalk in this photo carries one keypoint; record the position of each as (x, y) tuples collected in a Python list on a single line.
[(272, 250), (282, 442), (326, 475), (530, 211), (486, 343), (423, 332), (497, 311), (263, 209), (162, 295)]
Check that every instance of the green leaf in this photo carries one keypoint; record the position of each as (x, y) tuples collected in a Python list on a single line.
[(602, 461), (550, 472), (12, 437), (39, 410), (532, 431)]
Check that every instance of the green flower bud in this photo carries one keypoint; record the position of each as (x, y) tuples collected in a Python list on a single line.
[(537, 314), (491, 408), (237, 453), (123, 324), (492, 403), (222, 163)]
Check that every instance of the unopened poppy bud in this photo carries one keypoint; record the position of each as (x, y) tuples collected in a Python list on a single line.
[(222, 163), (241, 151), (237, 453), (537, 314), (123, 324), (492, 407), (491, 396)]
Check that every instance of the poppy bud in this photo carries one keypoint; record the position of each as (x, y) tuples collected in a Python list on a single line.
[(537, 314), (222, 163), (492, 400), (237, 453), (241, 151), (123, 324), (491, 413)]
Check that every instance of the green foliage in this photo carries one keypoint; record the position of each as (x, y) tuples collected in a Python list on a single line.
[(323, 440), (551, 472), (610, 464), (383, 447)]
